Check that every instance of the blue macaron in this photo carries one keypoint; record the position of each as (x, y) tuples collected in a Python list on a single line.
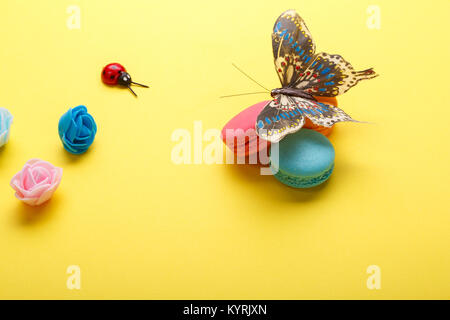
[(304, 159)]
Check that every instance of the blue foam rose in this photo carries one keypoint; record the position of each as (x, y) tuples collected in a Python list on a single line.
[(5, 124), (77, 130)]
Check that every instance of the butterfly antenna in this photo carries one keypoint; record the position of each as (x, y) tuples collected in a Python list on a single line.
[(250, 77), (242, 94)]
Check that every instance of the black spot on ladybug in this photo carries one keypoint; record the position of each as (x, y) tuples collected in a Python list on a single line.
[(111, 77)]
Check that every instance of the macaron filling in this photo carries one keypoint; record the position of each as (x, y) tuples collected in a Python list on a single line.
[(303, 182)]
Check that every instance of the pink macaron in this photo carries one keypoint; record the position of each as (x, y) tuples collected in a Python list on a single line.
[(239, 133)]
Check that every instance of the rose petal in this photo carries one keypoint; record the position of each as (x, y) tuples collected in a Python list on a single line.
[(57, 176), (17, 179), (43, 164), (33, 161), (29, 201), (3, 137), (41, 174), (15, 184), (36, 192), (64, 122), (47, 194), (27, 179)]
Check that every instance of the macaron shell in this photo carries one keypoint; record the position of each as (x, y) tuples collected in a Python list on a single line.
[(243, 120), (305, 158), (329, 100), (242, 137)]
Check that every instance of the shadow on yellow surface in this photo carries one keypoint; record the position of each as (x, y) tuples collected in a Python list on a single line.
[(28, 215), (264, 185)]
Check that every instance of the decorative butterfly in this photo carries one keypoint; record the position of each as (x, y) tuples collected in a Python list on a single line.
[(303, 75)]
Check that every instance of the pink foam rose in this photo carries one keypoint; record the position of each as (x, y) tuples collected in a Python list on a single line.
[(36, 182)]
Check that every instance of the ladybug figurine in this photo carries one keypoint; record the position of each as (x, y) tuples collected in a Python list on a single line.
[(116, 74)]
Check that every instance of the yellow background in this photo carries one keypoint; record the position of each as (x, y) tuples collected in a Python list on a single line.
[(140, 226)]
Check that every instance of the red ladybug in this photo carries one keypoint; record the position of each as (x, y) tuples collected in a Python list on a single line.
[(116, 74), (111, 73)]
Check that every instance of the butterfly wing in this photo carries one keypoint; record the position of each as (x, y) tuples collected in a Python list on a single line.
[(322, 114), (330, 75), (286, 114), (279, 118), (293, 47), (299, 67)]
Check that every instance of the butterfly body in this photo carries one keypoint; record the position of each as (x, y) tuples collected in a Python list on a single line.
[(304, 74), (293, 92)]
